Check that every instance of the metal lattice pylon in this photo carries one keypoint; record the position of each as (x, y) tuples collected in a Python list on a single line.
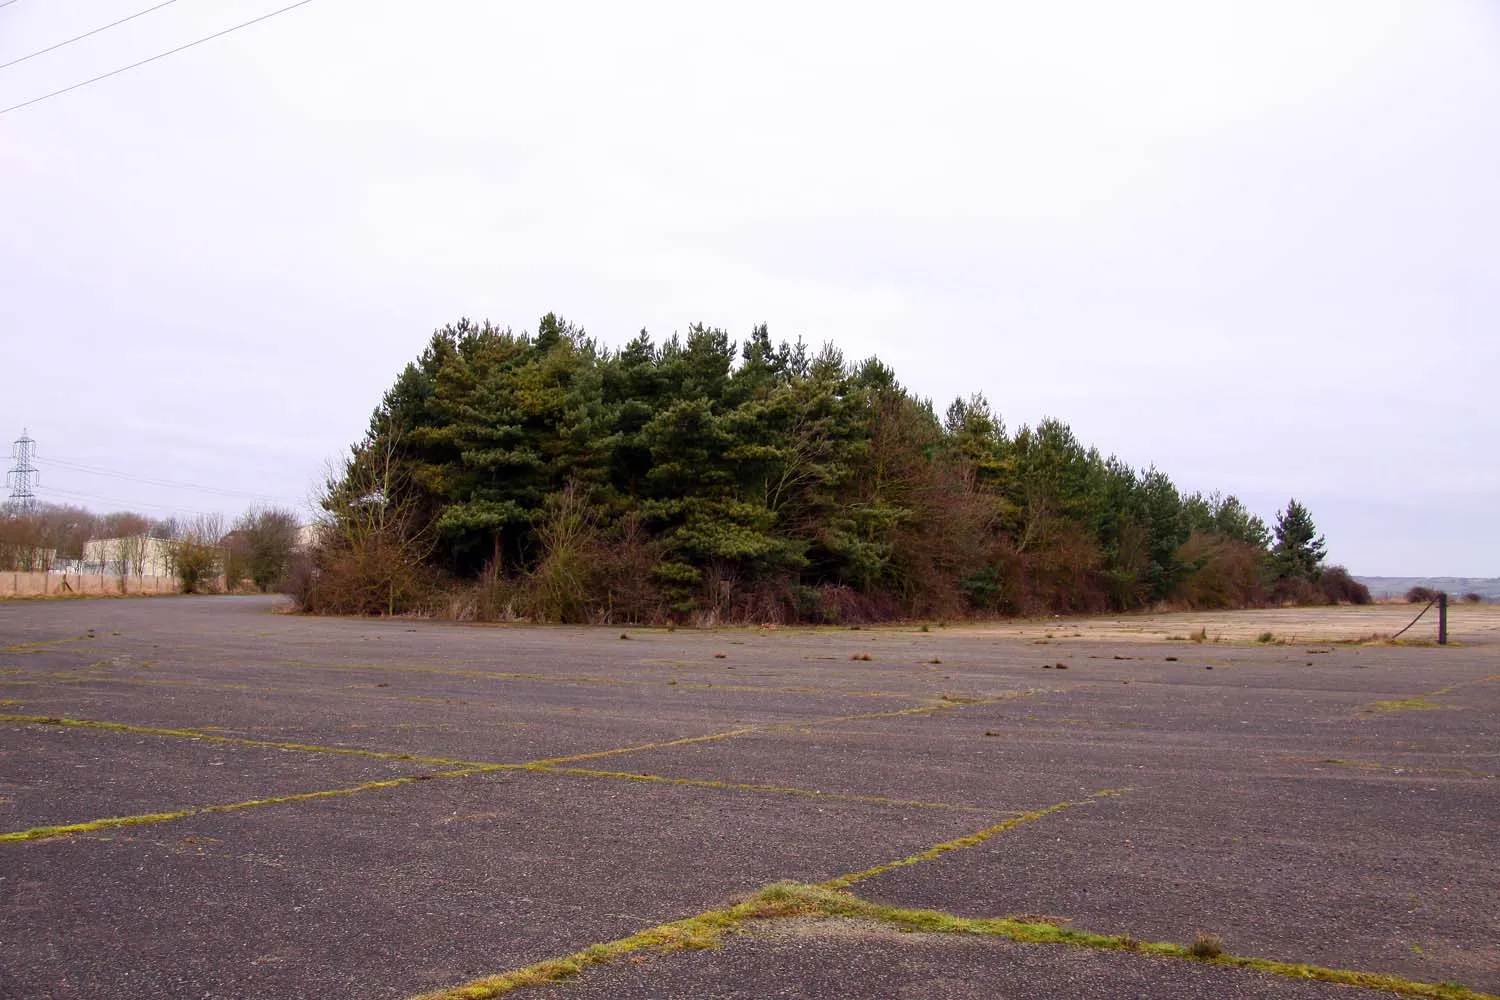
[(22, 477)]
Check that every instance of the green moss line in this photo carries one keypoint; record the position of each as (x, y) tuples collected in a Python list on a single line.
[(945, 704), (705, 930), (971, 840), (549, 764), (1370, 765), (765, 789), (47, 832), (791, 689), (683, 741), (195, 734), (581, 679), (546, 766), (836, 904), (942, 706), (97, 676), (41, 644), (792, 900), (206, 737), (1420, 702), (1462, 684), (194, 684)]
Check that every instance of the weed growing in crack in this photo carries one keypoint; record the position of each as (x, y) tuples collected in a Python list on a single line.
[(1206, 946), (1418, 702)]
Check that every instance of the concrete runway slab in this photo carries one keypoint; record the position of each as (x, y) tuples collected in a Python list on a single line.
[(291, 807)]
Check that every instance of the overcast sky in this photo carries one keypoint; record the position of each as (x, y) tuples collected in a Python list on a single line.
[(1256, 244)]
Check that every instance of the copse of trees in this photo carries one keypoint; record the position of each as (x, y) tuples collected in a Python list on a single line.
[(197, 551), (541, 475), (34, 540)]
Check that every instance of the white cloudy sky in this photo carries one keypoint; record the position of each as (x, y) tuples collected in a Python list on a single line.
[(1254, 243)]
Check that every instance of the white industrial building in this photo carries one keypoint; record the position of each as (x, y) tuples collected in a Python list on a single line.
[(135, 555)]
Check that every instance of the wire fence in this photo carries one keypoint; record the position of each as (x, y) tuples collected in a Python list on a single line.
[(1409, 624)]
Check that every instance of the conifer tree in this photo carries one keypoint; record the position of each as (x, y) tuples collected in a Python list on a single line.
[(1298, 553)]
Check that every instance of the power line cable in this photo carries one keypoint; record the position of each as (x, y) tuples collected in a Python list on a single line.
[(7, 3), (152, 59), (125, 504), (154, 481), (86, 34)]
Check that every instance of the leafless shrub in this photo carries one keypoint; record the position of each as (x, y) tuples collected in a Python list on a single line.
[(23, 543), (1297, 591), (586, 573), (631, 594), (372, 542), (1340, 588), (37, 539), (261, 546), (560, 587), (1222, 573)]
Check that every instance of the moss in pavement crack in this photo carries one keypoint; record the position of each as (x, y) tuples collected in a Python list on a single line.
[(790, 900)]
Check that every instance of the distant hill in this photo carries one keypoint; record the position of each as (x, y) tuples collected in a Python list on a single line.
[(1456, 586)]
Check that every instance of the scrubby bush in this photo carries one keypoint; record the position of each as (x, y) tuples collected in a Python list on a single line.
[(372, 548), (1222, 572), (195, 554), (1340, 588), (1297, 591), (265, 538)]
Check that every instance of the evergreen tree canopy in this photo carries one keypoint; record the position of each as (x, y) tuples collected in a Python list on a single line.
[(767, 481), (1298, 553)]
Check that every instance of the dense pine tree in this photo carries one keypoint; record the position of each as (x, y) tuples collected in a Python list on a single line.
[(1298, 553)]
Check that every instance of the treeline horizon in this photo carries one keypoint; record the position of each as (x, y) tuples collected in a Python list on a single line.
[(699, 480), (49, 533), (261, 545)]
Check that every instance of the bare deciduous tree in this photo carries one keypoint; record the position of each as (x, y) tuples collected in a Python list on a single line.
[(373, 538), (261, 545)]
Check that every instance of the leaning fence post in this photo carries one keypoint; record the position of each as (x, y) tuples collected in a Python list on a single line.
[(1442, 619)]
